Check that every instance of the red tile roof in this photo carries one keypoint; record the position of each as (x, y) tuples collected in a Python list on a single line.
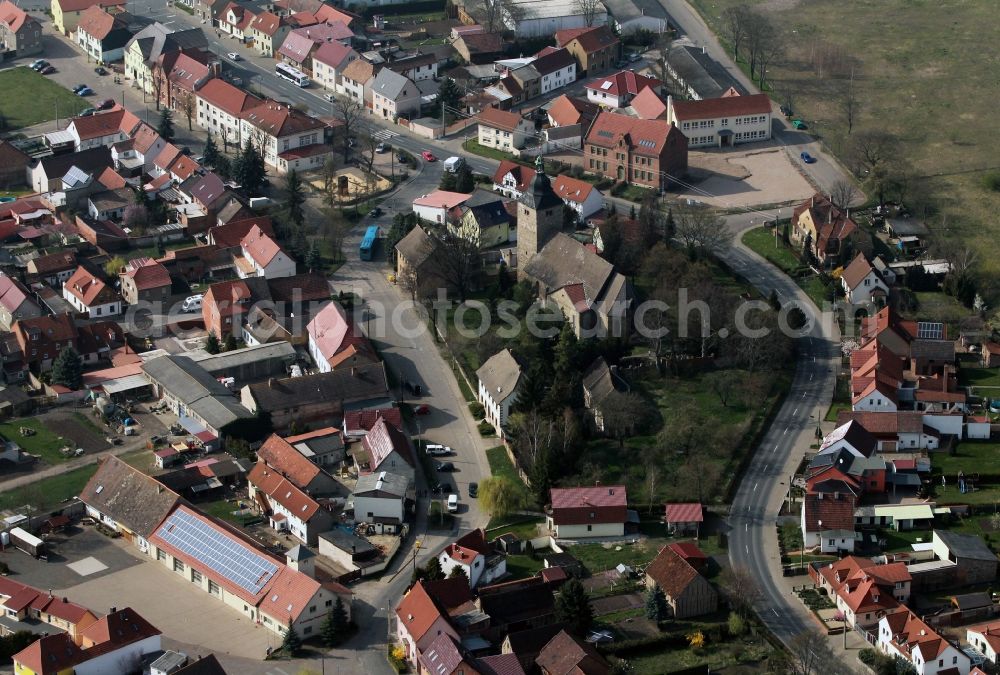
[(50, 654), (441, 199), (111, 179), (267, 23), (279, 120), (643, 137), (835, 514), (648, 105), (567, 655), (105, 123), (466, 548), (279, 454), (521, 173), (259, 246), (684, 513), (384, 438), (550, 59), (228, 98), (910, 634), (88, 288), (333, 332), (572, 189), (333, 54), (95, 22), (13, 16), (78, 5), (120, 628), (566, 110), (689, 551), (482, 43), (671, 572), (283, 491), (856, 272), (147, 273), (713, 108), (356, 420), (499, 119), (575, 506), (417, 611), (885, 423), (12, 293), (231, 234), (623, 83)]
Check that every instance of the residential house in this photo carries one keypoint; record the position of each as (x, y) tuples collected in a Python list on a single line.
[(647, 153), (287, 507), (145, 280), (498, 379), (221, 107), (439, 206), (420, 622), (862, 283), (900, 430), (826, 230), (648, 105), (565, 654), (484, 220), (479, 48), (23, 607), (568, 111), (103, 34), (903, 635), (556, 67), (109, 204), (864, 590), (618, 89), (300, 44), (235, 19), (263, 257), (595, 48), (722, 122), (286, 457), (685, 518), (15, 303), (974, 562), (46, 174), (985, 638), (102, 129), (91, 296), (380, 497), (511, 179), (318, 399), (687, 592), (527, 79), (335, 340), (274, 595), (357, 423), (329, 63), (599, 381), (586, 512), (20, 33), (579, 195), (53, 268), (40, 339), (127, 501), (67, 14), (225, 306), (289, 139), (143, 52), (386, 448), (356, 79), (415, 259), (268, 32), (418, 67), (518, 605), (473, 555), (185, 74), (503, 130), (394, 96), (828, 521)]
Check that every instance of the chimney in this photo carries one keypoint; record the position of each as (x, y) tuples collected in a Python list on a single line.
[(812, 201), (50, 593), (353, 371)]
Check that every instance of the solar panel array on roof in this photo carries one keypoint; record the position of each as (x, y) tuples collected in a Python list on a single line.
[(224, 555), (927, 330), (605, 133)]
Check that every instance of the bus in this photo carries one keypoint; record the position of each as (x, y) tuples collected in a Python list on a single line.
[(291, 74), (368, 243)]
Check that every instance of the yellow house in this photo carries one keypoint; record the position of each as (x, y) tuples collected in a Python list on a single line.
[(49, 655), (66, 13)]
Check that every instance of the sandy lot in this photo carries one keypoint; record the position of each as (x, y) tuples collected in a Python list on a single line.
[(753, 177)]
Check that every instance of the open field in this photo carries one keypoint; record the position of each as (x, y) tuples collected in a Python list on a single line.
[(43, 442), (980, 377), (918, 85), (29, 98)]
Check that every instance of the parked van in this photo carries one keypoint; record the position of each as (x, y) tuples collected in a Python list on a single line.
[(453, 164), (192, 303), (452, 503)]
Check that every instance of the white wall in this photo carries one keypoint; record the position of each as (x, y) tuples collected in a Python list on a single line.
[(111, 662), (588, 531), (978, 430), (862, 293), (875, 402), (218, 122), (704, 132), (379, 507), (946, 424), (560, 78), (433, 214)]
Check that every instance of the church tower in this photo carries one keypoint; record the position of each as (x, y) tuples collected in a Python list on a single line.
[(539, 217)]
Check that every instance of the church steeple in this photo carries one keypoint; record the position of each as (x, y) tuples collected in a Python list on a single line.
[(539, 215)]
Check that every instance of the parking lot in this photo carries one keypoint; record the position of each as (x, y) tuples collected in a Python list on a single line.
[(77, 554)]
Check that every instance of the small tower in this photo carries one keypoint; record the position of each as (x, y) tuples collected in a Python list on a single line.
[(300, 558), (539, 217)]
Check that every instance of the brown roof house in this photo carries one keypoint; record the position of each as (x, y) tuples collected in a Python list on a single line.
[(568, 655), (862, 282), (596, 48), (386, 448), (688, 593), (13, 165), (15, 302), (415, 268), (89, 295), (648, 153), (503, 130), (825, 228), (19, 31), (282, 456), (287, 507), (145, 280), (498, 379), (479, 47)]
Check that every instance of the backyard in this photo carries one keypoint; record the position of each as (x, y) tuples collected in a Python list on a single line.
[(29, 98), (916, 86), (42, 442)]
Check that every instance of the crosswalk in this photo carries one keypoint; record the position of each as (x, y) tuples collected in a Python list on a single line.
[(384, 134)]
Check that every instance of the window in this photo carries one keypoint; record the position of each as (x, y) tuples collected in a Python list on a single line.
[(329, 603), (590, 528), (213, 587), (196, 576), (178, 565), (161, 554), (307, 630), (312, 609)]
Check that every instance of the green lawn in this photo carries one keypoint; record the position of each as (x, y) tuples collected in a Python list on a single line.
[(761, 241), (635, 193), (473, 146), (500, 464), (523, 566), (49, 493), (29, 98), (971, 457), (597, 557), (43, 443), (979, 377)]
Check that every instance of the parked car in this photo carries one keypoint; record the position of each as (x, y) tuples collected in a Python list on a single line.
[(375, 213), (100, 70), (428, 156), (633, 57), (47, 70), (807, 158), (473, 490), (799, 124), (234, 56), (87, 112), (401, 158), (445, 466), (452, 503), (380, 148), (86, 91), (422, 409), (38, 63), (330, 98), (78, 87), (106, 103), (435, 450), (785, 110), (192, 303)]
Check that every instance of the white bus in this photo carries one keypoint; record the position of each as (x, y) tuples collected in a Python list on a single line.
[(291, 74)]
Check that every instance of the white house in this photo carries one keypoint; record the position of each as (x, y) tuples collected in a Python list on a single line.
[(394, 95), (499, 378), (435, 207), (985, 637), (288, 508), (502, 129), (329, 62), (862, 283), (876, 397), (102, 128), (91, 296), (618, 89), (481, 564), (902, 634), (221, 106), (380, 496), (557, 67), (722, 122), (828, 522), (288, 138), (587, 512), (263, 257), (579, 195)]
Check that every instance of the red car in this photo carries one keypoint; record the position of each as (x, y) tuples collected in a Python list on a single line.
[(423, 409), (48, 70), (428, 156), (106, 104)]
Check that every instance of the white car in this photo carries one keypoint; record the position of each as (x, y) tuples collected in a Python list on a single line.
[(192, 303), (438, 450), (380, 148), (234, 56), (452, 503)]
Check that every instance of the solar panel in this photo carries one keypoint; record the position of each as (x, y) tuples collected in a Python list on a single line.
[(606, 134), (606, 84), (927, 330), (218, 551)]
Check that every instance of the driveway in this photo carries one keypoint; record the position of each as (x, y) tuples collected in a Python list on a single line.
[(179, 609)]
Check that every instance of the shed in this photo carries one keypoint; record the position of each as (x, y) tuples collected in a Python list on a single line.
[(682, 518)]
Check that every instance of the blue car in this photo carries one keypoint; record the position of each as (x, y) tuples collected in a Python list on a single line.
[(86, 91), (807, 158)]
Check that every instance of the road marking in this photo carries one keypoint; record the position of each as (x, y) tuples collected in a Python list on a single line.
[(765, 467), (796, 411), (748, 549), (755, 487), (785, 431), (746, 527), (775, 449), (803, 394), (775, 611), (385, 134)]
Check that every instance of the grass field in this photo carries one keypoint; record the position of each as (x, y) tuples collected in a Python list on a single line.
[(971, 456), (43, 443), (760, 240), (917, 85), (473, 146), (29, 98), (979, 377)]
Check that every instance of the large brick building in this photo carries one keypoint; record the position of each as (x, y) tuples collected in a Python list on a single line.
[(649, 153)]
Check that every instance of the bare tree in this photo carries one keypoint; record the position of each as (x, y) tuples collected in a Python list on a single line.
[(660, 56), (741, 589), (533, 433), (876, 156), (458, 262), (759, 34), (335, 229), (493, 15), (158, 81), (734, 28), (369, 144), (849, 103), (188, 105), (588, 10), (770, 49), (329, 182), (349, 112), (723, 384), (624, 415), (843, 193), (701, 229)]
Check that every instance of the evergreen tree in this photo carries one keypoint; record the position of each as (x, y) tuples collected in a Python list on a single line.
[(223, 167), (433, 571), (248, 170), (300, 244), (295, 197), (166, 126), (656, 604), (448, 182), (291, 643), (67, 369), (334, 628), (212, 345), (458, 572), (464, 181), (449, 97), (211, 154), (230, 342), (566, 352), (573, 607)]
